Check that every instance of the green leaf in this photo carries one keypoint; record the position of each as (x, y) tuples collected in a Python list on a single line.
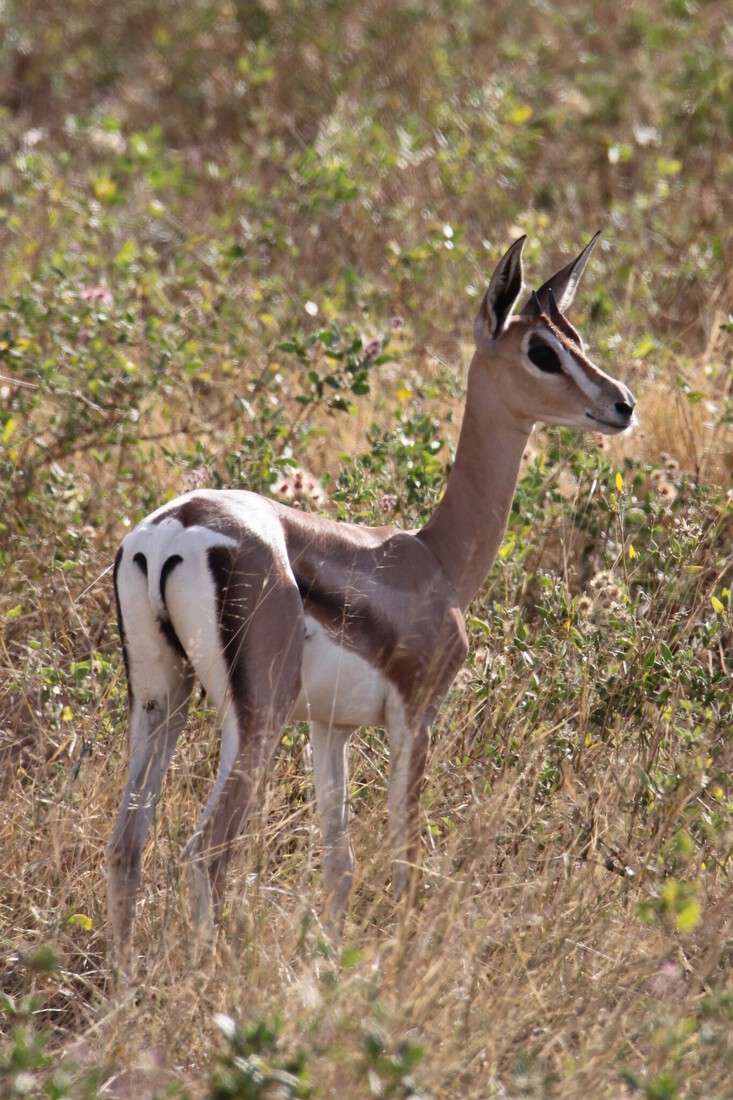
[(350, 956), (127, 254), (520, 115), (667, 166), (688, 915), (44, 960), (81, 920), (507, 547), (643, 347)]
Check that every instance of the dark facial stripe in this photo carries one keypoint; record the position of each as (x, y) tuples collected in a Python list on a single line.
[(544, 357), (561, 324), (588, 370)]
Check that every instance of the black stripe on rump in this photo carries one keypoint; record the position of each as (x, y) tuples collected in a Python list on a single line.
[(168, 566), (233, 598), (166, 629), (120, 621), (166, 626), (141, 562)]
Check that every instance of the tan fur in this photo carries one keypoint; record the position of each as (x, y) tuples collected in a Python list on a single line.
[(223, 584)]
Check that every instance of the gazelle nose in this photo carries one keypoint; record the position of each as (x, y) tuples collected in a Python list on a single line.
[(624, 408)]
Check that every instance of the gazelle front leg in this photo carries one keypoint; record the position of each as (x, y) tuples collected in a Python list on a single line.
[(330, 747), (408, 756)]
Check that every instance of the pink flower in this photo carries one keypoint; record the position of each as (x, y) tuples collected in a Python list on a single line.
[(669, 982), (100, 294)]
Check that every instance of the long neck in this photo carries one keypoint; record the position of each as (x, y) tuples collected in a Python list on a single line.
[(465, 531)]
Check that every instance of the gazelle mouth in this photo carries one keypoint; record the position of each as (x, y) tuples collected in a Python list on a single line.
[(612, 425)]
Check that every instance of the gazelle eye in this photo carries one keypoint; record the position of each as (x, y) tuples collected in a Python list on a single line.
[(544, 357)]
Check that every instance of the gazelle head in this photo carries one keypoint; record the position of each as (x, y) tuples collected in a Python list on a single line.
[(536, 359)]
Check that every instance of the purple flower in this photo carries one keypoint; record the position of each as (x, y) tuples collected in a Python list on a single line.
[(372, 348)]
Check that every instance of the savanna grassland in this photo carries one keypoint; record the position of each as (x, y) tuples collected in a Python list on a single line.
[(240, 237)]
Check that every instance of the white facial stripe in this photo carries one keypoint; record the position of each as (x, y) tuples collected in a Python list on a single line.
[(585, 375)]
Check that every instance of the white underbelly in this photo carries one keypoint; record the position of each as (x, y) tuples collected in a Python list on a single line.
[(338, 687)]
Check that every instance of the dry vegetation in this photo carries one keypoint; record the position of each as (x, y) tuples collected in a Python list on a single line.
[(207, 213)]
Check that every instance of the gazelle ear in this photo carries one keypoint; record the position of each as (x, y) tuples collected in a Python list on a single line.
[(558, 292), (498, 301)]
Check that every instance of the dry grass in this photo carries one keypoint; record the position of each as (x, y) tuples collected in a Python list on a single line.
[(525, 962), (572, 934)]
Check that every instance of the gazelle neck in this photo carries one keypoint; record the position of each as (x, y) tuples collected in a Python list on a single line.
[(466, 529)]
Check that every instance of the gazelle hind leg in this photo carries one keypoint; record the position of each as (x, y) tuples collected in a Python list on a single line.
[(247, 752), (408, 756), (237, 792), (249, 658), (158, 702), (330, 776), (200, 851)]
